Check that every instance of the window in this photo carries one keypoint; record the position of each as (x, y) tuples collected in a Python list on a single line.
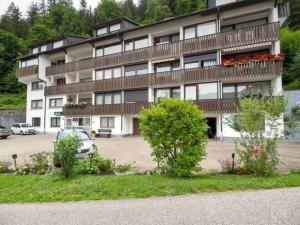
[(191, 92), (55, 122), (55, 102), (101, 31), (206, 29), (43, 48), (136, 70), (36, 121), (37, 104), (112, 49), (210, 62), (115, 27), (166, 39), (108, 98), (208, 91), (228, 91), (37, 85), (162, 93), (191, 65), (175, 93), (61, 81), (136, 44), (189, 32), (30, 62), (58, 44), (200, 30), (35, 50), (107, 122), (108, 73), (165, 67)]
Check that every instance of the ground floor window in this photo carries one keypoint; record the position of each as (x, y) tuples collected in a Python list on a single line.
[(36, 121), (107, 122), (79, 122), (55, 122)]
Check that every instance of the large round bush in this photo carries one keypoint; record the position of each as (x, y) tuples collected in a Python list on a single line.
[(176, 131)]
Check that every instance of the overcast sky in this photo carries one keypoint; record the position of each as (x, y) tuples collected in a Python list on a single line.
[(23, 4)]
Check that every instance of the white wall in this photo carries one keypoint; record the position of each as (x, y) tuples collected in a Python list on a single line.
[(115, 131)]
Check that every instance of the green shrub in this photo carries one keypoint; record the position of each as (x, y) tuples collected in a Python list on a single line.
[(98, 165), (40, 163), (24, 169), (176, 131), (64, 154), (4, 167), (257, 121)]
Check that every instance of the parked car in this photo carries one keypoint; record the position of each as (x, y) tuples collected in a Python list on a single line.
[(4, 132), (22, 128), (87, 146)]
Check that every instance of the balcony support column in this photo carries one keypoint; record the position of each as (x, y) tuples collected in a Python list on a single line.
[(181, 33), (77, 77), (94, 75), (150, 94), (182, 92)]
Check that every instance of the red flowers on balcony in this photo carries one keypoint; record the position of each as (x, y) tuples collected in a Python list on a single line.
[(229, 62), (256, 58)]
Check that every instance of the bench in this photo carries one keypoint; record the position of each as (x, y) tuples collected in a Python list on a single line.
[(105, 132)]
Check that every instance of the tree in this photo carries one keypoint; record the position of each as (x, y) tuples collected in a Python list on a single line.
[(39, 33), (295, 15), (175, 130), (11, 48), (258, 122), (128, 9), (64, 154), (156, 11), (107, 10), (32, 13)]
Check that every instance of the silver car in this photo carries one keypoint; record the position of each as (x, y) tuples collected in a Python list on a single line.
[(22, 128), (87, 146), (4, 132)]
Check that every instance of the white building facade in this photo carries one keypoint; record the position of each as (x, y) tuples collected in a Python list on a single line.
[(209, 57)]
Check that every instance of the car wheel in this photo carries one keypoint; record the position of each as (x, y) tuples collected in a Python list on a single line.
[(21, 132), (11, 132), (4, 137)]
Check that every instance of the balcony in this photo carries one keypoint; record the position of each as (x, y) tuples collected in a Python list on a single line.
[(236, 38), (27, 71), (208, 106), (252, 70)]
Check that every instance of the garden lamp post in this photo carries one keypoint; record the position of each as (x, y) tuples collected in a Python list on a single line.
[(14, 157), (233, 156)]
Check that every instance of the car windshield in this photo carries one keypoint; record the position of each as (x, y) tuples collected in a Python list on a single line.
[(1, 127), (26, 125), (82, 135)]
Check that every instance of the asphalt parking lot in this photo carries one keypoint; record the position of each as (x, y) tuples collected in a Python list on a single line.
[(135, 149)]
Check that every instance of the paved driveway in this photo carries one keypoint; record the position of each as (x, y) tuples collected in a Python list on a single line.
[(131, 149), (264, 207)]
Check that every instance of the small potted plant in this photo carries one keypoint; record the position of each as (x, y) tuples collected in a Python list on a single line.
[(82, 104), (93, 133), (279, 57)]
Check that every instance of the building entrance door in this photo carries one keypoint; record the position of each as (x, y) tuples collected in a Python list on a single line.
[(136, 126)]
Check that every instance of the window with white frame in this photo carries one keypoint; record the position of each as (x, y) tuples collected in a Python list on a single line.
[(208, 91), (136, 44), (101, 31), (43, 48), (108, 98), (55, 102), (200, 30), (58, 44), (139, 69), (108, 50), (191, 92), (114, 27), (29, 62), (107, 122), (108, 73), (35, 50)]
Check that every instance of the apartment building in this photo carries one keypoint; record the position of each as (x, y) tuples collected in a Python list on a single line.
[(210, 57)]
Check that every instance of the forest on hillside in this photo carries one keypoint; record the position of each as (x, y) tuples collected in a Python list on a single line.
[(51, 18)]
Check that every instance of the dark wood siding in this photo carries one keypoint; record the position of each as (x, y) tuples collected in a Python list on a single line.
[(136, 96)]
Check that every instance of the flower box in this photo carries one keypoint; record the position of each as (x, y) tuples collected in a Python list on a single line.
[(229, 62), (244, 60)]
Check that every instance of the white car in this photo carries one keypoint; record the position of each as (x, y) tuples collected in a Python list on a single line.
[(22, 128), (87, 146)]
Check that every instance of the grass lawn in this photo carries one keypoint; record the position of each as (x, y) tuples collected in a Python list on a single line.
[(12, 101), (34, 188)]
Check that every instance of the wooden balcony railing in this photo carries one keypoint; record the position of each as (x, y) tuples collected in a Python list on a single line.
[(27, 71), (208, 106), (188, 76), (240, 37)]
